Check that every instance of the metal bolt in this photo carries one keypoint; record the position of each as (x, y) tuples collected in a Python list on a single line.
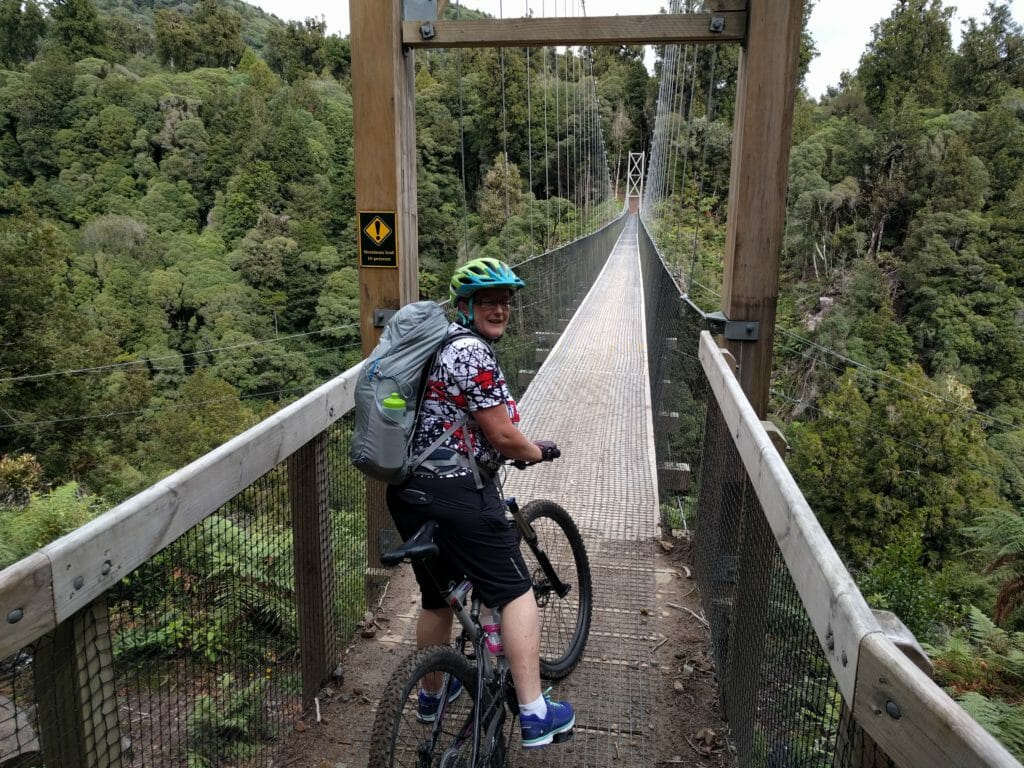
[(79, 582), (717, 24), (106, 568), (427, 30), (15, 616), (893, 709)]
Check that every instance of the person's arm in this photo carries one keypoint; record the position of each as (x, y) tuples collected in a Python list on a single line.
[(505, 436)]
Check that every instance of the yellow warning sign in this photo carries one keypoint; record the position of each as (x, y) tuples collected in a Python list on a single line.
[(377, 230), (378, 241)]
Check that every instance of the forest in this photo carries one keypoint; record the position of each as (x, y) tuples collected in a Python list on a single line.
[(177, 261)]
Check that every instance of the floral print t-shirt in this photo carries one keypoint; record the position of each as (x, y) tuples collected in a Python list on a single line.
[(466, 377)]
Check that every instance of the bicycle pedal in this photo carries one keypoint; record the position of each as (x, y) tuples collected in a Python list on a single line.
[(558, 738)]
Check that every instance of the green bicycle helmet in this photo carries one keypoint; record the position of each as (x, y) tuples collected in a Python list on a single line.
[(482, 273)]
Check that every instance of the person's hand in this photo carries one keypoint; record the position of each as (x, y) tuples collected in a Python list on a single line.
[(548, 450)]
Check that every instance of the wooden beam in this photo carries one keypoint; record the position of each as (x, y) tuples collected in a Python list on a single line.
[(763, 123), (383, 117), (724, 27), (26, 603), (384, 121)]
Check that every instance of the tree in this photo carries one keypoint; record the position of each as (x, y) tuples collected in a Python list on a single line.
[(76, 25), (21, 27), (299, 49), (892, 457), (219, 35), (176, 40), (990, 60), (501, 196), (909, 56)]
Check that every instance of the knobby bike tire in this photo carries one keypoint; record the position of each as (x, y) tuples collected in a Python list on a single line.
[(564, 621), (400, 740)]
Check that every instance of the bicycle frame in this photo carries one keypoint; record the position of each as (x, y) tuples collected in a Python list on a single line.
[(494, 674)]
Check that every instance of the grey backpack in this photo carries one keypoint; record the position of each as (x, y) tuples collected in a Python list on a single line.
[(396, 371)]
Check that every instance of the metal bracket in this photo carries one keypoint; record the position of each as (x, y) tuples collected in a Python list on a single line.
[(741, 330), (733, 330), (427, 31), (717, 24), (420, 10), (381, 317)]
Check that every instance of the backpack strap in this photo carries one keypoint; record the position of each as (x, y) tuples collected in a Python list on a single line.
[(463, 420)]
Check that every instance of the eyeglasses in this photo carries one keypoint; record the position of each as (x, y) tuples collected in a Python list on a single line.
[(494, 303)]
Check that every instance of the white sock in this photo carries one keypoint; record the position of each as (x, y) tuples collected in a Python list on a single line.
[(538, 707)]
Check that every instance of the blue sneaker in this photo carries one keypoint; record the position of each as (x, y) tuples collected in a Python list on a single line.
[(429, 703), (556, 726)]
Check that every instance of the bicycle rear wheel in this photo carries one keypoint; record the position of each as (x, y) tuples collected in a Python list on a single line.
[(564, 621), (400, 738)]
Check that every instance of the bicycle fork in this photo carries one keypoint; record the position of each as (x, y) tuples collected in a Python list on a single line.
[(530, 536)]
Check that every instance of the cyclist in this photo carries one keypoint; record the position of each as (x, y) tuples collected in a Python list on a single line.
[(455, 486)]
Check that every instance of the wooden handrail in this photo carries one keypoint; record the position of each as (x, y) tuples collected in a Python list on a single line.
[(898, 705), (44, 589)]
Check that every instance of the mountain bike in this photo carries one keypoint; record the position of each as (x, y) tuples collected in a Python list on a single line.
[(467, 731)]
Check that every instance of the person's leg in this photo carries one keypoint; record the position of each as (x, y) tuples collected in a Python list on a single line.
[(434, 627), (520, 634)]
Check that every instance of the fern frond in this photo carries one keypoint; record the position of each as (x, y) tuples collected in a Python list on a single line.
[(1009, 599)]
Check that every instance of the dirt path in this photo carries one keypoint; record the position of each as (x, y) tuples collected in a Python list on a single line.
[(687, 726)]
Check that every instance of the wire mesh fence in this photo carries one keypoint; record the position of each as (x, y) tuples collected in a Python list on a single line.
[(556, 283), (208, 652), (195, 657), (777, 690)]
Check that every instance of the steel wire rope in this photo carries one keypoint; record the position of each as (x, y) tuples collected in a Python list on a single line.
[(879, 373), (105, 367), (547, 153), (699, 192), (529, 138), (505, 172), (678, 145), (900, 441), (462, 144), (679, 104), (155, 409)]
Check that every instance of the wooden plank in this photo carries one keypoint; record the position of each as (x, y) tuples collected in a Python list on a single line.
[(314, 573), (91, 559), (912, 719), (75, 692), (26, 603), (765, 90), (594, 30), (837, 611)]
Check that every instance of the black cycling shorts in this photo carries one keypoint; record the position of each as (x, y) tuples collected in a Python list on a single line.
[(476, 540)]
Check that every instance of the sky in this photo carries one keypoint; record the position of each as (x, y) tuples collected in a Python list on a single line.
[(841, 29)]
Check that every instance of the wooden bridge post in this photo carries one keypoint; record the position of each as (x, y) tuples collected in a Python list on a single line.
[(383, 116), (76, 697), (765, 91), (314, 567)]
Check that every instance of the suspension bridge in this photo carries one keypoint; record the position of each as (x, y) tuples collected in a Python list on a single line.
[(618, 366)]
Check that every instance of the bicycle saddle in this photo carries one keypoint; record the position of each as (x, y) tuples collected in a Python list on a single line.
[(419, 545)]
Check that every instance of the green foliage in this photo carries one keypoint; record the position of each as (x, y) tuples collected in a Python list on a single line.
[(897, 581), (890, 458), (982, 667), (224, 591), (46, 516), (228, 725)]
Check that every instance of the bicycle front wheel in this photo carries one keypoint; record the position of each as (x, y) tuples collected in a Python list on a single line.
[(565, 620), (409, 733)]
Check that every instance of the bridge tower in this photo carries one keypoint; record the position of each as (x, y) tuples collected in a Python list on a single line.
[(635, 181)]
